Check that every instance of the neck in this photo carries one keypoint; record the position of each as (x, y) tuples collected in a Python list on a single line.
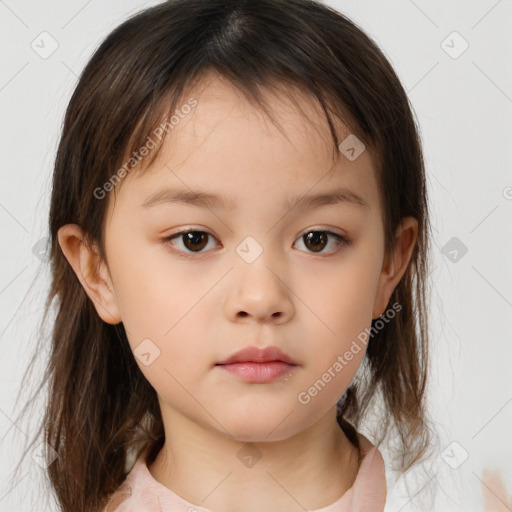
[(216, 472)]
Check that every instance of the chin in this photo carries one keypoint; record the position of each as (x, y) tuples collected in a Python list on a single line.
[(254, 428)]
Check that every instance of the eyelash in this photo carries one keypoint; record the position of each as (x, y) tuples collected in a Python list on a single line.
[(340, 240)]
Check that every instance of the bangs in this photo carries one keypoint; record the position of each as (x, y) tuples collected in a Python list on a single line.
[(164, 113)]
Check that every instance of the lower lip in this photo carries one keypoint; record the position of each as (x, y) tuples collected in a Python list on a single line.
[(259, 372)]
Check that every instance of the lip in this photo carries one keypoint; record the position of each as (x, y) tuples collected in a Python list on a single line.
[(256, 365), (258, 355)]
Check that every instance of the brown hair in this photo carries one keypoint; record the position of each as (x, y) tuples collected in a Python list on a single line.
[(100, 406)]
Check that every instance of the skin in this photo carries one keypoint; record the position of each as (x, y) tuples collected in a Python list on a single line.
[(495, 492), (202, 309)]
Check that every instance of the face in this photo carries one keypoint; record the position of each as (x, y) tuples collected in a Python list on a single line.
[(195, 282)]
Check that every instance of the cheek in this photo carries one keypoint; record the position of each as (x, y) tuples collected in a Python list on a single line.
[(345, 300), (164, 303), (344, 305), (149, 291)]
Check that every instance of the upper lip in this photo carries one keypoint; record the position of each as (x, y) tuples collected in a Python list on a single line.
[(258, 355)]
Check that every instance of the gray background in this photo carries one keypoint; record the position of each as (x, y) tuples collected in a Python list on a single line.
[(464, 107)]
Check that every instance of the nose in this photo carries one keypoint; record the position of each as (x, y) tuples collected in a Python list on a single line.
[(259, 293)]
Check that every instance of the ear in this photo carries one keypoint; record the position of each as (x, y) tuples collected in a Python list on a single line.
[(91, 271), (395, 264)]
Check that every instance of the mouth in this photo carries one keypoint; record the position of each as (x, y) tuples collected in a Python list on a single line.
[(259, 372), (257, 365)]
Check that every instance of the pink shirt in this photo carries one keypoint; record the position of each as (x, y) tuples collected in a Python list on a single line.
[(140, 492)]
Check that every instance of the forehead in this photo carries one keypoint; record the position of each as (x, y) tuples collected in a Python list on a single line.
[(229, 144), (222, 109)]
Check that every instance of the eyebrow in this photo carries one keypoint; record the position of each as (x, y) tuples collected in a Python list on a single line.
[(211, 200)]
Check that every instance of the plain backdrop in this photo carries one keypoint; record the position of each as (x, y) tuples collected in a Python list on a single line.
[(454, 59)]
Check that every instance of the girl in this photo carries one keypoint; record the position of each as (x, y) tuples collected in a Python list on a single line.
[(235, 297)]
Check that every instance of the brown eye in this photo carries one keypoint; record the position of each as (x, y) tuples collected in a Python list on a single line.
[(316, 241), (195, 240), (191, 242), (188, 242)]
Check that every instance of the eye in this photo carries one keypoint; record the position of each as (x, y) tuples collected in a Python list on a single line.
[(316, 240), (192, 241)]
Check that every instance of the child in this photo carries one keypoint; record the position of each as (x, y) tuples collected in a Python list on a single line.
[(276, 136)]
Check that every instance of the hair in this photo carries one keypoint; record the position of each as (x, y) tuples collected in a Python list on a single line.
[(100, 407)]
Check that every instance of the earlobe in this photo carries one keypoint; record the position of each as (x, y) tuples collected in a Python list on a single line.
[(395, 264), (90, 271)]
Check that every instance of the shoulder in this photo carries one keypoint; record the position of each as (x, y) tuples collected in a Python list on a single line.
[(135, 493), (119, 496), (370, 485)]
